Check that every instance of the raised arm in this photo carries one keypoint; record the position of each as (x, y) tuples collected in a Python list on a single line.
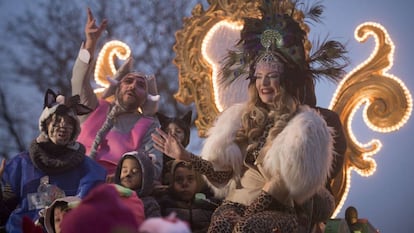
[(84, 65), (93, 32), (170, 146)]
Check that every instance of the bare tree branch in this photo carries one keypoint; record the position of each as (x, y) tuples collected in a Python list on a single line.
[(42, 43), (14, 138)]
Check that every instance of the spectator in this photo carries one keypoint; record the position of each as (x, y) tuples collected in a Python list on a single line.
[(185, 186), (55, 213), (136, 172), (180, 128), (55, 165)]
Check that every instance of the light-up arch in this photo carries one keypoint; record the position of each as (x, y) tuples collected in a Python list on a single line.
[(387, 105), (105, 63)]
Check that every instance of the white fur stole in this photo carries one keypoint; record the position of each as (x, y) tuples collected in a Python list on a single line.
[(301, 154), (220, 149)]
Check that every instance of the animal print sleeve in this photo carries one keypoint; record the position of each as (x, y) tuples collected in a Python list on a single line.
[(264, 202), (206, 168)]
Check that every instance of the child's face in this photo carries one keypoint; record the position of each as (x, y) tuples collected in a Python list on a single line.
[(185, 184), (131, 174), (58, 214), (175, 130)]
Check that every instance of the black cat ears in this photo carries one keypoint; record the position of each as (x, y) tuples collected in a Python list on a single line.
[(51, 99), (165, 120)]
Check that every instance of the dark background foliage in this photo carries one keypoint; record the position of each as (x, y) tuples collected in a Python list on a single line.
[(40, 44)]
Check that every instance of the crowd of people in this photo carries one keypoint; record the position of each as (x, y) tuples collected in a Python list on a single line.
[(120, 165)]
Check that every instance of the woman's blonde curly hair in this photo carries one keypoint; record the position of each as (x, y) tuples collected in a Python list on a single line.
[(257, 115)]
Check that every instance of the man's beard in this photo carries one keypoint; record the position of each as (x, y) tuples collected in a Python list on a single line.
[(128, 106)]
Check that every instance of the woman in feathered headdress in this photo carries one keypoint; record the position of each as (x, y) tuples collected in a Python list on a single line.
[(273, 153)]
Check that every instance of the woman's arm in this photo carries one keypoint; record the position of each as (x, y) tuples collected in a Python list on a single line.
[(206, 168), (170, 146), (273, 196)]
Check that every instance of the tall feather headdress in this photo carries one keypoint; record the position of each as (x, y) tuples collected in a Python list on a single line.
[(282, 29)]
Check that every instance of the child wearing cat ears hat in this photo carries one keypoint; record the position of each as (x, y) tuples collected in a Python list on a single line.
[(180, 128)]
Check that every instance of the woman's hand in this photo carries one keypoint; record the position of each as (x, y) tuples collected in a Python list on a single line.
[(93, 31), (169, 145)]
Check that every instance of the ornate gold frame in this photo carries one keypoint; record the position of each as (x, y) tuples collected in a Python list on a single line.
[(195, 83), (387, 101)]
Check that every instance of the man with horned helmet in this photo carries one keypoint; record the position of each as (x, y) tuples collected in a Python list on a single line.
[(115, 127)]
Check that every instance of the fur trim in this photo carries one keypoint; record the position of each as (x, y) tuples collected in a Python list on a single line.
[(220, 149), (150, 106), (301, 154), (55, 159)]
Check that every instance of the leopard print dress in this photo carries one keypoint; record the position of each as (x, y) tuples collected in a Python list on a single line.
[(265, 214)]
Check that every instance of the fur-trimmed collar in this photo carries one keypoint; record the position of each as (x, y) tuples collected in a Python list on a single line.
[(301, 154), (53, 159)]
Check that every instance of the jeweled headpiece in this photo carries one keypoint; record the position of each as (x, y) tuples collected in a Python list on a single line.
[(281, 31)]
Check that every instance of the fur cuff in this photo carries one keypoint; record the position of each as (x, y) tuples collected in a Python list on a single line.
[(301, 154), (219, 147)]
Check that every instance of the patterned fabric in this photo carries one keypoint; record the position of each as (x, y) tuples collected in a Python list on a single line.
[(265, 202), (260, 216), (206, 168), (230, 217)]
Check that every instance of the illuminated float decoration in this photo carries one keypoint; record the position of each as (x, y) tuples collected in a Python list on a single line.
[(387, 101), (387, 106), (105, 63)]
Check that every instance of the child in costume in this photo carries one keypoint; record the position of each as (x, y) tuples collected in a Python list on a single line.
[(135, 171), (273, 153), (180, 128), (55, 165), (54, 214), (183, 197), (56, 211)]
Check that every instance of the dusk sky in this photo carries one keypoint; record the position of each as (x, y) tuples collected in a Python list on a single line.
[(385, 198)]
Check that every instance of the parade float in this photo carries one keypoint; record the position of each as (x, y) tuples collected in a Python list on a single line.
[(206, 36)]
